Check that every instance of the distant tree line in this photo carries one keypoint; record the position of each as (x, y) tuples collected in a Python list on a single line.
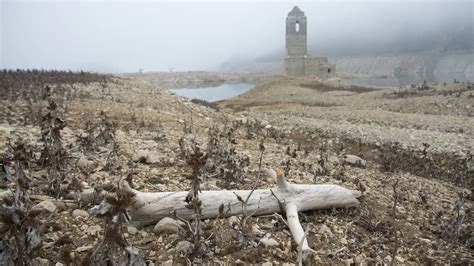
[(17, 81)]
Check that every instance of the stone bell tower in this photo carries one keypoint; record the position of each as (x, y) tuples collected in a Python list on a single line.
[(297, 61), (296, 40)]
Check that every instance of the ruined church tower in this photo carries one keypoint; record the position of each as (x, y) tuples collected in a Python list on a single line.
[(296, 40), (297, 61)]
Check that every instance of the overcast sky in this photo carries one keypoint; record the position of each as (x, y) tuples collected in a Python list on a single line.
[(125, 36)]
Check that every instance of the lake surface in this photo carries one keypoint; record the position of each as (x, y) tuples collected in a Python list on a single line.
[(215, 93)]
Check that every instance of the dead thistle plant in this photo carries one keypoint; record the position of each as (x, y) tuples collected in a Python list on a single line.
[(20, 224), (114, 247)]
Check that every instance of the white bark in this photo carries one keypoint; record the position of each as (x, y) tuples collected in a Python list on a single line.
[(295, 227), (150, 207)]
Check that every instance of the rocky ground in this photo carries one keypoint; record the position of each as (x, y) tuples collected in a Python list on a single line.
[(435, 118), (128, 128)]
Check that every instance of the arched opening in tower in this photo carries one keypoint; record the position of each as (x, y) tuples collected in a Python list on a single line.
[(297, 26)]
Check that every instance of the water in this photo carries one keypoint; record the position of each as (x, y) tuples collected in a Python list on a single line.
[(215, 93)]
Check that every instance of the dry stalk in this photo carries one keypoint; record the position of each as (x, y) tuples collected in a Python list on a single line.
[(395, 227), (246, 215)]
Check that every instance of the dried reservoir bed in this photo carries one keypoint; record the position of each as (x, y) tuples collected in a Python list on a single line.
[(306, 133)]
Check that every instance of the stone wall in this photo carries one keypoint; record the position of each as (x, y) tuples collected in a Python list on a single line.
[(294, 66), (309, 66)]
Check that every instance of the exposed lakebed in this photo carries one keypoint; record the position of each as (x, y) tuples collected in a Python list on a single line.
[(214, 93)]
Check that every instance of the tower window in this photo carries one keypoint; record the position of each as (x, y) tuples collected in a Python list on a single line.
[(297, 26), (329, 70)]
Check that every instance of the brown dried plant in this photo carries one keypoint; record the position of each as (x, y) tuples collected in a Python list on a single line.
[(21, 225), (114, 247)]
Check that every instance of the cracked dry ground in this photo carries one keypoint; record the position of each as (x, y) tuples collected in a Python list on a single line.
[(151, 121)]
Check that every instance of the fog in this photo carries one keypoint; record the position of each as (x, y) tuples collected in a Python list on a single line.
[(112, 36)]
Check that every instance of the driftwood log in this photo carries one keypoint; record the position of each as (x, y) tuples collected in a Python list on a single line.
[(150, 207)]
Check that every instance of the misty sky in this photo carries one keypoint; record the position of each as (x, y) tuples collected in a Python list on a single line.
[(125, 36)]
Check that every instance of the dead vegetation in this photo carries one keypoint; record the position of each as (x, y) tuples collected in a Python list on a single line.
[(21, 226), (212, 105), (424, 90), (113, 248), (322, 87), (424, 163)]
